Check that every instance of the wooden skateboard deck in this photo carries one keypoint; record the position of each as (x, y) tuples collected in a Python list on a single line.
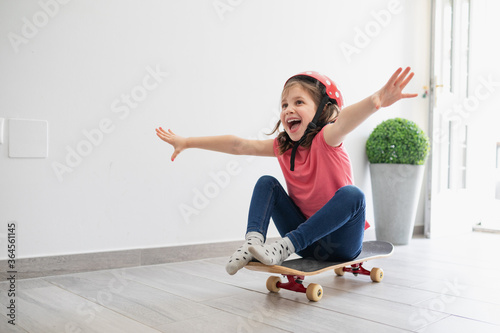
[(296, 269)]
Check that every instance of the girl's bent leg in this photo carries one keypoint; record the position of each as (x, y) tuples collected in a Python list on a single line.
[(336, 231), (270, 199)]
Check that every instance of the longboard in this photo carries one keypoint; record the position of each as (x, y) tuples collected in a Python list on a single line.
[(296, 269)]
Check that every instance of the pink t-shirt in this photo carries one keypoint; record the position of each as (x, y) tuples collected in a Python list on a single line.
[(319, 172)]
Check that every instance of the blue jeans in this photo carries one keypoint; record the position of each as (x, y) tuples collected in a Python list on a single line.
[(334, 233)]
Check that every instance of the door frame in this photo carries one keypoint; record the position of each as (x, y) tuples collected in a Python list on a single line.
[(433, 181)]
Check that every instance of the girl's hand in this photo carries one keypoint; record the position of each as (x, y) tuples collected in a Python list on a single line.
[(393, 90), (178, 142)]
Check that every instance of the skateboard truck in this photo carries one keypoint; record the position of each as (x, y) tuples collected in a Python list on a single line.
[(295, 283), (376, 274), (313, 292), (357, 269)]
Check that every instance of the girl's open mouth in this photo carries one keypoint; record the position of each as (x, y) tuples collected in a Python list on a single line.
[(294, 124)]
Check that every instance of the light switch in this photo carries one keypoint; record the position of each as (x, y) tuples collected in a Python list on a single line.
[(28, 138)]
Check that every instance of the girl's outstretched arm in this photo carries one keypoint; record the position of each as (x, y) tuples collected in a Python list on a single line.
[(229, 144), (352, 116)]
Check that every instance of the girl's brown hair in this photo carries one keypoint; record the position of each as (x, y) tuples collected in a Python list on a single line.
[(329, 114)]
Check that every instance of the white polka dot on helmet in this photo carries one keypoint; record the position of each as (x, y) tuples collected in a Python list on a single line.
[(330, 87)]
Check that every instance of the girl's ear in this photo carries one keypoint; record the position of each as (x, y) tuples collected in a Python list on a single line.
[(327, 105)]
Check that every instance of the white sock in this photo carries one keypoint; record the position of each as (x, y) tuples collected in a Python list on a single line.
[(273, 254), (242, 257)]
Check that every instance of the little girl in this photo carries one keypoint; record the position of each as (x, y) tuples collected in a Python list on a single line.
[(323, 214)]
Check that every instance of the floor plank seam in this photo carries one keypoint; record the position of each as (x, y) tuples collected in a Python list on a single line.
[(98, 304)]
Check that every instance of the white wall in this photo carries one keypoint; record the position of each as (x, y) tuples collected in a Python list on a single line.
[(74, 64)]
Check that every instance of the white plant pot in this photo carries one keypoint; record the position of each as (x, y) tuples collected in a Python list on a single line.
[(396, 190)]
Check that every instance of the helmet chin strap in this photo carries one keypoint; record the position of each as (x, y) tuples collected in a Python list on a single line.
[(310, 127)]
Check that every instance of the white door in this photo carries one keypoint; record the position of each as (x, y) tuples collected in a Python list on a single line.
[(484, 120), (447, 207)]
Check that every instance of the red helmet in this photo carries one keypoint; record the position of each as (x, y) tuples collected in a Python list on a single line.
[(331, 88), (331, 93)]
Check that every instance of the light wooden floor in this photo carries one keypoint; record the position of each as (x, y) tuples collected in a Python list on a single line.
[(439, 285)]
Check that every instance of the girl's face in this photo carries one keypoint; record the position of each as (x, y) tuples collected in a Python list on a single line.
[(297, 111)]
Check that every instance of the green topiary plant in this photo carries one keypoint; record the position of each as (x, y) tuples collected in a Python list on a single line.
[(397, 141)]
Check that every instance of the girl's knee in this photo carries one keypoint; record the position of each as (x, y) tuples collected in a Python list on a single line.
[(266, 181), (353, 192)]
